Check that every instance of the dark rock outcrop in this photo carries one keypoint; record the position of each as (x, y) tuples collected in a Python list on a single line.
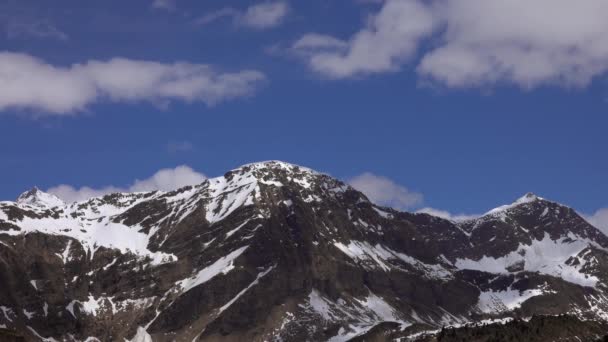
[(274, 251)]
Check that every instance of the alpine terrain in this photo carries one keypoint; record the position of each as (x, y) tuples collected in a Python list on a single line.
[(277, 252)]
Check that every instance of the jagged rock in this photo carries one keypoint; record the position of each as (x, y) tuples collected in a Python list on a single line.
[(274, 251)]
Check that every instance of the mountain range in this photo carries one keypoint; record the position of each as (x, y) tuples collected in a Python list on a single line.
[(273, 251)]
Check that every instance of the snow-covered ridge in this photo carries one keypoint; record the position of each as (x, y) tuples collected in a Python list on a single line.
[(498, 211), (527, 198), (544, 256), (36, 197), (276, 164), (99, 221), (384, 258)]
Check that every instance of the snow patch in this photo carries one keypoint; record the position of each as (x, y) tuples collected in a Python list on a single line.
[(141, 336), (42, 338), (223, 265), (28, 314), (503, 301), (39, 198), (380, 256), (255, 282), (544, 256), (230, 233)]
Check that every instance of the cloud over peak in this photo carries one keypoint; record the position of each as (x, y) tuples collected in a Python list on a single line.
[(599, 220), (164, 180), (31, 83), (444, 214), (386, 192)]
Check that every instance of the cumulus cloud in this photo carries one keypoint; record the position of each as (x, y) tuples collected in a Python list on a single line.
[(384, 191), (389, 39), (30, 83), (446, 214), (260, 16), (165, 180), (527, 43), (473, 43), (599, 220)]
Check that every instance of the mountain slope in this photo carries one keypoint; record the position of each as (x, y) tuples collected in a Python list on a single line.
[(274, 251)]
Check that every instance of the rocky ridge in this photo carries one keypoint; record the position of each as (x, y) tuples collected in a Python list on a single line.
[(275, 251)]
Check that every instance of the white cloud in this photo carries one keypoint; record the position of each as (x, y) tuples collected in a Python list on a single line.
[(389, 39), (384, 191), (526, 43), (474, 43), (169, 179), (165, 180), (599, 220), (168, 5), (70, 194), (30, 83), (446, 215), (261, 16), (264, 15)]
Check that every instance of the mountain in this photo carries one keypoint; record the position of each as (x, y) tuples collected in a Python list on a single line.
[(277, 252)]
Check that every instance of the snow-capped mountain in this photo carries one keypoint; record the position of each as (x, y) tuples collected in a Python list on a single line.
[(38, 198), (275, 251)]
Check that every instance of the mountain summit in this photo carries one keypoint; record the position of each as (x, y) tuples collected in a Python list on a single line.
[(276, 251), (39, 198)]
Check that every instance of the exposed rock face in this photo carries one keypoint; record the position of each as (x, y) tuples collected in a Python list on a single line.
[(273, 251)]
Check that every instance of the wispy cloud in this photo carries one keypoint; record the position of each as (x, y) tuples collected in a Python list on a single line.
[(261, 16), (224, 13), (168, 5), (37, 29), (30, 83), (20, 21), (165, 179), (446, 214)]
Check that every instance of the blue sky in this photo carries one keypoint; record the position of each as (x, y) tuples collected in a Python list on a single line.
[(406, 92)]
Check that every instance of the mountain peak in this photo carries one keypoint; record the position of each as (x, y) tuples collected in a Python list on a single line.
[(272, 172), (39, 198), (527, 198), (275, 165)]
